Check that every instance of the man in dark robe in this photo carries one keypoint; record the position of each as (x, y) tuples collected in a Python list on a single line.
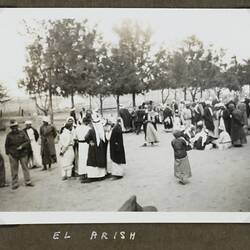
[(247, 102), (73, 114), (168, 117), (117, 152), (139, 118), (127, 118), (238, 136), (97, 152), (48, 134), (208, 118)]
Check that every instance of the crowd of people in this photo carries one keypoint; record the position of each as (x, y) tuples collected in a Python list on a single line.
[(91, 146)]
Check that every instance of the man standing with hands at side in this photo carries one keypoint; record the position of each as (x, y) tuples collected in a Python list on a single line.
[(16, 147)]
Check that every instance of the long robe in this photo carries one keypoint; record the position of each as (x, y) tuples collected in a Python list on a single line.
[(97, 156), (48, 151), (82, 152), (66, 146), (2, 171), (238, 135), (208, 120), (34, 157), (168, 118), (126, 117), (117, 152), (242, 107)]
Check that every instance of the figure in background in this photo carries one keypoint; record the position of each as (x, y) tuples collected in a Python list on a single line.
[(73, 114), (243, 108), (224, 140), (48, 134), (139, 118), (168, 117), (208, 118), (186, 115), (237, 134), (126, 118), (34, 156), (151, 136)]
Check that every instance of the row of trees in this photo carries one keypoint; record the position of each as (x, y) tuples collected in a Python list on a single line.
[(71, 58)]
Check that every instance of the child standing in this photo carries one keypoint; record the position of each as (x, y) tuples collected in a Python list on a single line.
[(182, 169)]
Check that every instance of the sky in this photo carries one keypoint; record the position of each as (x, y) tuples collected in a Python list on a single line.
[(225, 28)]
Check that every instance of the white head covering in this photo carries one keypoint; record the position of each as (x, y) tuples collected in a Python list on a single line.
[(70, 118), (99, 132), (98, 127), (28, 122)]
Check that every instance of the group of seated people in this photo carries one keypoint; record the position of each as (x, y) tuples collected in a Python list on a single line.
[(201, 140)]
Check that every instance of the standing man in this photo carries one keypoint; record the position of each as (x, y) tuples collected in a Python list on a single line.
[(97, 152), (34, 156), (117, 152), (16, 146), (139, 118), (67, 154), (48, 151)]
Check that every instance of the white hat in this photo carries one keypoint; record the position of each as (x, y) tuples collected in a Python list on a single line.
[(199, 123), (46, 119), (28, 122)]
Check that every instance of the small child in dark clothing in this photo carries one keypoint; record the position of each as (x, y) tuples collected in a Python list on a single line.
[(182, 169)]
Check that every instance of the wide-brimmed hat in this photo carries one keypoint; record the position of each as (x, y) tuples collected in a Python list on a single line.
[(131, 205), (13, 123), (46, 119)]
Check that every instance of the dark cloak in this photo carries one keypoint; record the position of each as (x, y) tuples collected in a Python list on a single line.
[(117, 152), (97, 155)]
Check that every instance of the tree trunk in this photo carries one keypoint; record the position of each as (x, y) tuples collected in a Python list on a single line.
[(201, 94), (162, 96), (118, 104), (72, 99), (175, 94), (90, 102), (50, 100), (133, 100), (185, 94), (218, 94), (101, 104)]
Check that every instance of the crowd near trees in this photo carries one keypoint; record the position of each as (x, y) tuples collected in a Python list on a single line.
[(70, 57)]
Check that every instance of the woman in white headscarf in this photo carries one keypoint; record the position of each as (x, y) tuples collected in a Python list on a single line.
[(97, 153)]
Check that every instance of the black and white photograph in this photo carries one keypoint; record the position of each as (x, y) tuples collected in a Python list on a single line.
[(124, 110)]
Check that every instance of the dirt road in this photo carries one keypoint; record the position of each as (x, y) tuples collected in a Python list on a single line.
[(220, 182)]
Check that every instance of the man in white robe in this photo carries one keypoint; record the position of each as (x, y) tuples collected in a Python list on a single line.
[(82, 154), (67, 154)]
